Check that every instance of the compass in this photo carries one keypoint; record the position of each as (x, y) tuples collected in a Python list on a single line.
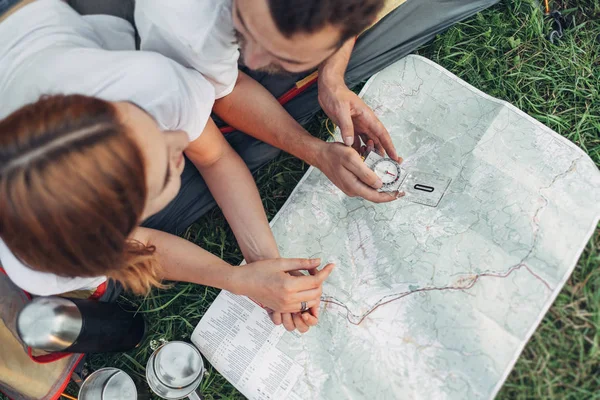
[(388, 170), (418, 187)]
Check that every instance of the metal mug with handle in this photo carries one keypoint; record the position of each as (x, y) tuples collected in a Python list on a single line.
[(175, 370)]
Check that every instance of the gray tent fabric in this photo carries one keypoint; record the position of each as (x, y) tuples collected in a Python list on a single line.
[(398, 34), (117, 8), (5, 5)]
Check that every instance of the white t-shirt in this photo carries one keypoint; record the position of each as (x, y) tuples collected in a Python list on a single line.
[(42, 283), (197, 34), (48, 48)]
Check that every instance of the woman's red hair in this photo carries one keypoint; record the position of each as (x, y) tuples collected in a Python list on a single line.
[(72, 190)]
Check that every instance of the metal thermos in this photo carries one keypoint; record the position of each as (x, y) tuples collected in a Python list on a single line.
[(79, 326), (108, 384), (175, 370)]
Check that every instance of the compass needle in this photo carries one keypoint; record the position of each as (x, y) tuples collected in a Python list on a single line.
[(387, 170)]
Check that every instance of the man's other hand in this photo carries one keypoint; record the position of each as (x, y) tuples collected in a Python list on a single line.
[(355, 119)]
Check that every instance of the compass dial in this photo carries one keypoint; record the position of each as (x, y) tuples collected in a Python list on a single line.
[(387, 170)]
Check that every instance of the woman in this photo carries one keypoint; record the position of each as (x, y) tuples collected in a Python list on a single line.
[(77, 176)]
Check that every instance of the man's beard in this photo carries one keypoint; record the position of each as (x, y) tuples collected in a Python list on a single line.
[(271, 69)]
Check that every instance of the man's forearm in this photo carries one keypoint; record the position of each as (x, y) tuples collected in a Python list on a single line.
[(253, 110), (334, 68)]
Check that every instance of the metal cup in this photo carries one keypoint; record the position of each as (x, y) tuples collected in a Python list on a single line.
[(108, 384), (175, 370)]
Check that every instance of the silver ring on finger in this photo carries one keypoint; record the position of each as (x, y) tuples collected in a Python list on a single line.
[(303, 306)]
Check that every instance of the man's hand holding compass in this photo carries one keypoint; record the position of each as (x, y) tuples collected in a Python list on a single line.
[(386, 169)]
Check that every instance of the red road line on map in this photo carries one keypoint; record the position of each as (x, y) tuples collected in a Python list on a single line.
[(450, 288)]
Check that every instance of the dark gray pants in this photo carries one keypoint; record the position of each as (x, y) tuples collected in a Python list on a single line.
[(398, 34)]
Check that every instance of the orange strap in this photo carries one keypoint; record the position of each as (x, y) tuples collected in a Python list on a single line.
[(66, 382)]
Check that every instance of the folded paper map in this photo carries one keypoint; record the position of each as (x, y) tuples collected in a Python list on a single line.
[(429, 300)]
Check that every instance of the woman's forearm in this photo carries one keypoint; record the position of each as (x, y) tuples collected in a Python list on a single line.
[(233, 187), (184, 261), (267, 282)]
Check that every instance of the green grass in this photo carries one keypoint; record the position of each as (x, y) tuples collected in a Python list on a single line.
[(503, 52)]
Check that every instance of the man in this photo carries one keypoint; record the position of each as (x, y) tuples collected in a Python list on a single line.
[(293, 36), (275, 36)]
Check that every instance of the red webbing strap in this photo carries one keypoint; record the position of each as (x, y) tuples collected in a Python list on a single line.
[(100, 290), (47, 358)]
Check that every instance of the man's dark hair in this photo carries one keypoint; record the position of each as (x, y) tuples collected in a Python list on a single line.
[(309, 16)]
